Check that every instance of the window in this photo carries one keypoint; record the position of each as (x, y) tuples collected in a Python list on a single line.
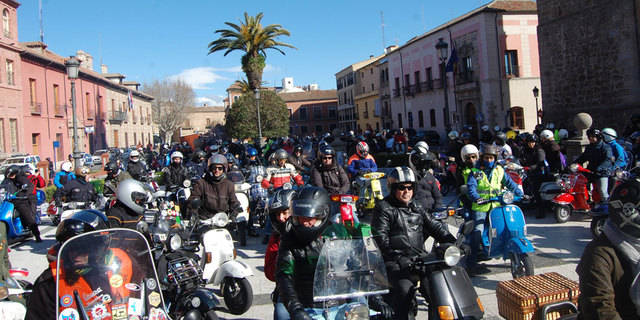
[(332, 113), (466, 71), (35, 143), (87, 99), (410, 119), (126, 139), (407, 84), (10, 78), (6, 25), (432, 115), (208, 122), (399, 120), (2, 148), (511, 63), (517, 117), (396, 91), (317, 112), (13, 129), (60, 149), (416, 76), (32, 92), (56, 96), (429, 75), (113, 105), (373, 87), (366, 110), (135, 138), (420, 119), (302, 113), (371, 70)]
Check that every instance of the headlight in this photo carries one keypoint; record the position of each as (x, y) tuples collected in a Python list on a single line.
[(221, 220), (195, 302), (259, 178), (621, 174), (175, 243), (507, 197), (452, 256), (186, 183), (573, 167), (357, 312)]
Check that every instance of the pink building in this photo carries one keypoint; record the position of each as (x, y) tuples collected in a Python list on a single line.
[(11, 123), (491, 82)]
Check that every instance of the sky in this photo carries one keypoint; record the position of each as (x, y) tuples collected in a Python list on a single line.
[(148, 40)]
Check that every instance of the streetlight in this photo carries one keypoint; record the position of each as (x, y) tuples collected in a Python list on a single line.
[(73, 66), (536, 92), (257, 95), (443, 50)]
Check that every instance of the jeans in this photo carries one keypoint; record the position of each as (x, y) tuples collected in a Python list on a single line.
[(280, 312), (603, 186), (267, 228), (479, 218), (400, 295)]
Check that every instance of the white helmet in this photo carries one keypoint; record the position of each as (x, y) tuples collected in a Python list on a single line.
[(134, 153), (484, 128), (467, 150), (66, 166), (546, 135), (421, 147), (453, 135), (177, 154), (133, 194), (563, 134), (609, 134)]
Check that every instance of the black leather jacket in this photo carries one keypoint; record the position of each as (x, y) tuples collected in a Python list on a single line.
[(174, 175), (427, 192), (77, 190), (137, 170), (398, 227)]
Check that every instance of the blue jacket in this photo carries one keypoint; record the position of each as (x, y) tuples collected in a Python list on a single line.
[(619, 154), (600, 158), (472, 184), (65, 176), (362, 164)]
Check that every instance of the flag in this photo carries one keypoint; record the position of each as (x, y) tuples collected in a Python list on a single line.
[(130, 100), (452, 60)]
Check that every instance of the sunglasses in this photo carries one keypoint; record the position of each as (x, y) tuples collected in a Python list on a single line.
[(327, 158), (218, 168), (403, 188), (473, 156)]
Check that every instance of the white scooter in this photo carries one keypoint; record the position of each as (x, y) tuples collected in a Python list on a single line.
[(242, 194), (218, 262)]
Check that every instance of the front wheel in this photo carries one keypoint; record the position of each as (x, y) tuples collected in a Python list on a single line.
[(237, 294), (521, 265), (597, 224), (562, 213)]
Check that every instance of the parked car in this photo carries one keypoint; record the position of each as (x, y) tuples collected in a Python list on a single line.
[(97, 157), (86, 160), (23, 159)]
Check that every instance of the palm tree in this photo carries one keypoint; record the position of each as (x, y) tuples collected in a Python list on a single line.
[(253, 39)]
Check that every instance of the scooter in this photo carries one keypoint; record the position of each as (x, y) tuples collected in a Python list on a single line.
[(217, 259), (259, 198), (242, 194), (576, 195), (504, 234), (369, 189), (11, 217), (346, 206)]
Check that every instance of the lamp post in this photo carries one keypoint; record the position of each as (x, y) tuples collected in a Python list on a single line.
[(536, 92), (443, 50), (257, 95), (73, 65)]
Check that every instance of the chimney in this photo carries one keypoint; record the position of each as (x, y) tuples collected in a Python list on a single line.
[(104, 69), (390, 48), (86, 60), (370, 56)]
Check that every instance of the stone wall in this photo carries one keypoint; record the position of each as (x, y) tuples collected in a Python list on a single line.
[(589, 60)]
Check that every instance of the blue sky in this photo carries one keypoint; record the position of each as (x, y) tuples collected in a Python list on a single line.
[(156, 39)]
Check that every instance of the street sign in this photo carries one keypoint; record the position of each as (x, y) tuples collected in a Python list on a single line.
[(56, 144)]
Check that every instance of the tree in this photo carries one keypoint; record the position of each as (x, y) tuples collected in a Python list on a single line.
[(251, 38), (171, 98), (242, 120)]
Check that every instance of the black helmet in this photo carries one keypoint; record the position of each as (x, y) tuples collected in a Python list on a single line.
[(310, 202), (592, 132), (327, 151), (281, 154), (281, 200), (297, 148), (491, 150), (501, 137), (200, 154), (624, 209), (81, 222), (13, 169), (111, 167), (531, 138), (423, 161)]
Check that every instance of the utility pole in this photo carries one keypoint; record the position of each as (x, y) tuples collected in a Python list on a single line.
[(384, 45)]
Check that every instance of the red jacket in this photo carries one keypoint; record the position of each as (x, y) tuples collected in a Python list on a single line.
[(37, 180), (271, 256), (281, 176)]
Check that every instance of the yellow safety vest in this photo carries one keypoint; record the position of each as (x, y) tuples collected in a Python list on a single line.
[(488, 189)]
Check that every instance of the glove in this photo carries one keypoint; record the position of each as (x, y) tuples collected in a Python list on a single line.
[(404, 262), (300, 314), (378, 304)]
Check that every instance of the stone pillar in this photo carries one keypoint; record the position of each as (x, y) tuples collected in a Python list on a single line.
[(575, 146)]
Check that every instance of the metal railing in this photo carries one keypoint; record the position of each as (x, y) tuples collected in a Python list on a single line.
[(60, 110), (117, 116), (36, 108)]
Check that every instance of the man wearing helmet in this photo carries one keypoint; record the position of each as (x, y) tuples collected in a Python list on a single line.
[(609, 269), (552, 152), (484, 182), (132, 197), (504, 150), (609, 136), (215, 191), (77, 190), (175, 173), (135, 167), (17, 182), (299, 250), (600, 157), (198, 165), (64, 175), (533, 158), (427, 192), (283, 173), (298, 160), (399, 215), (114, 176), (469, 155), (327, 174), (361, 162)]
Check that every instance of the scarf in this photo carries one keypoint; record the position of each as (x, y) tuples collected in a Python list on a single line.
[(630, 248)]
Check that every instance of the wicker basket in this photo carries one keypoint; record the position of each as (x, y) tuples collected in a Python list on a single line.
[(523, 298)]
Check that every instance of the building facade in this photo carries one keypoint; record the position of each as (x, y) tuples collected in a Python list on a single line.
[(590, 60), (493, 67), (127, 125), (384, 91), (11, 122), (202, 119), (346, 84), (367, 98), (311, 112)]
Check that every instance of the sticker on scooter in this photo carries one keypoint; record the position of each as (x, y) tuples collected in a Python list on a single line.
[(119, 312), (115, 281), (99, 311), (157, 314), (154, 299), (151, 284), (132, 286), (69, 314), (135, 307), (66, 300)]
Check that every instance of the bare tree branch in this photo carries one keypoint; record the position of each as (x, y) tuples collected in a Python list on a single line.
[(168, 107)]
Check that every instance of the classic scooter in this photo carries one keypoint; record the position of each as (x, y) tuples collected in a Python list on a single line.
[(242, 194), (369, 189), (504, 234), (11, 217), (577, 195), (217, 259)]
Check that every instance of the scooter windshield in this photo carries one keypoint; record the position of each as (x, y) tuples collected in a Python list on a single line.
[(236, 176), (349, 269), (107, 275)]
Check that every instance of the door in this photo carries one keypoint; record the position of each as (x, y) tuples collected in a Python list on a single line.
[(92, 146), (35, 143), (116, 140)]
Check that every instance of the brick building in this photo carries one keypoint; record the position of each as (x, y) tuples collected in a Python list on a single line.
[(590, 60), (312, 111), (11, 122)]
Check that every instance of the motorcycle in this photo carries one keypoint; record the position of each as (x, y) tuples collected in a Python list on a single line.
[(348, 270), (576, 196), (515, 171), (217, 259), (259, 198), (179, 273), (242, 194), (369, 189), (118, 278), (504, 234)]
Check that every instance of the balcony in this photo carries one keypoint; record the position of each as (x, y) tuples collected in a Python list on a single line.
[(36, 108), (90, 114), (396, 92), (407, 91), (60, 110), (464, 77), (117, 117), (427, 85)]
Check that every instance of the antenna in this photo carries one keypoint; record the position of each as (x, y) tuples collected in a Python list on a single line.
[(41, 26), (424, 25), (384, 45), (99, 48)]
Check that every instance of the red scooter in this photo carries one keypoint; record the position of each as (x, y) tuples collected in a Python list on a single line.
[(347, 207), (576, 196)]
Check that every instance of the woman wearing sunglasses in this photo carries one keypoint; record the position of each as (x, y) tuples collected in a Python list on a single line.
[(327, 174)]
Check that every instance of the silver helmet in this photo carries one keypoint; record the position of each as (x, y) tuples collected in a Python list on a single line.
[(133, 194)]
